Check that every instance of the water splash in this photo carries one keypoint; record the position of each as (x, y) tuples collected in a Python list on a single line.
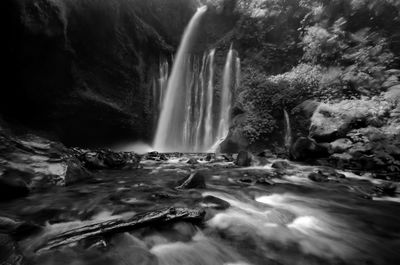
[(170, 129)]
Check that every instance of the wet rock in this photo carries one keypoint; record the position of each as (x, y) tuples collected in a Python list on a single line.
[(246, 180), (9, 253), (114, 160), (341, 145), (162, 195), (107, 159), (193, 181), (192, 161), (12, 186), (8, 225), (16, 228), (215, 202), (153, 156), (386, 189), (76, 172), (243, 159), (281, 164), (267, 154), (227, 157), (209, 157), (235, 140), (265, 181), (163, 157), (318, 177), (93, 160), (305, 149), (331, 173)]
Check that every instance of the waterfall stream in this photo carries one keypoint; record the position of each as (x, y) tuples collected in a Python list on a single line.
[(187, 122), (209, 137), (226, 98), (288, 130), (170, 131)]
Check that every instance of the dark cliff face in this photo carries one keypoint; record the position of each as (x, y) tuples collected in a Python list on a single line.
[(81, 70)]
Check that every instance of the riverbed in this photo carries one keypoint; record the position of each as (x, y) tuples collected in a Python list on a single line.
[(253, 215)]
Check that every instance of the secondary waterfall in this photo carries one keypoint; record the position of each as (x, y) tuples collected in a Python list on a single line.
[(170, 128), (158, 88), (288, 130), (238, 70), (226, 97)]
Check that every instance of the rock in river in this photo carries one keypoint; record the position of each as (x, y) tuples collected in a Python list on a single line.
[(194, 180), (243, 159)]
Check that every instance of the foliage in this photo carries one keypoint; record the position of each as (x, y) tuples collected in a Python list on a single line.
[(264, 98), (323, 50)]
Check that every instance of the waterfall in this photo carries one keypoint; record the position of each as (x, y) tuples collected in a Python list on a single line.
[(187, 122), (170, 131), (209, 137), (226, 97), (187, 128), (162, 82), (198, 135), (238, 72), (288, 130)]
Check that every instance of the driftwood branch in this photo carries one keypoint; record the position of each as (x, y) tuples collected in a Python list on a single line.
[(123, 225)]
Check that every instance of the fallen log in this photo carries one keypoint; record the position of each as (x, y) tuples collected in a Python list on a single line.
[(152, 218)]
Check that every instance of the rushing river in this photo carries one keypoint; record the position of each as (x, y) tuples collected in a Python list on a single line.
[(289, 220)]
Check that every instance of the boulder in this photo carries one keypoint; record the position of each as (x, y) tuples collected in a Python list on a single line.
[(281, 164), (76, 172), (341, 145), (306, 149), (8, 225), (17, 229), (386, 189), (192, 161), (209, 157), (193, 181), (243, 159), (9, 253), (114, 160), (12, 186), (265, 181), (93, 160), (215, 202), (235, 141), (246, 180), (267, 154), (318, 177), (35, 162)]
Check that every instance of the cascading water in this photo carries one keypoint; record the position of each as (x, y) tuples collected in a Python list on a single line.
[(238, 70), (158, 89), (163, 82), (199, 127), (187, 123), (170, 129), (288, 130), (209, 137), (226, 97)]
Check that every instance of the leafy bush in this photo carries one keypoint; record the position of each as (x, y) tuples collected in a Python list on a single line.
[(264, 98)]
